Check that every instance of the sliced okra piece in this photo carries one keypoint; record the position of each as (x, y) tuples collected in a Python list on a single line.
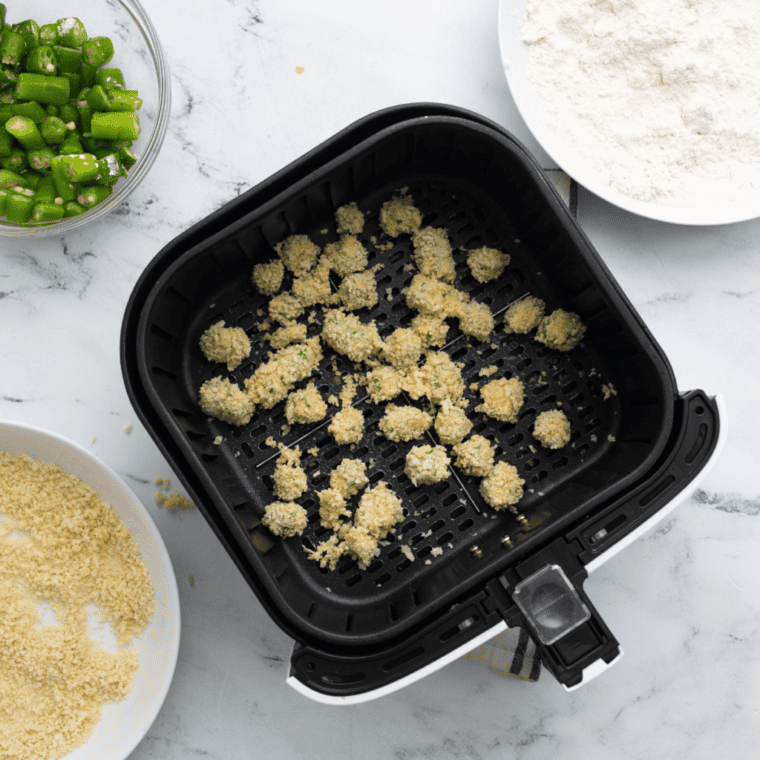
[(97, 51), (68, 112), (7, 97), (45, 191), (70, 146), (30, 31), (6, 142), (47, 211), (81, 167), (8, 76), (3, 196), (16, 162), (42, 60), (69, 59), (40, 159), (5, 113), (124, 100), (91, 196), (124, 125), (12, 47), (33, 111), (53, 130), (71, 32), (10, 179), (97, 99), (127, 158), (33, 180), (25, 131), (72, 208), (93, 144), (64, 187), (85, 112), (109, 170), (48, 34), (18, 207), (49, 90), (3, 11), (112, 77)]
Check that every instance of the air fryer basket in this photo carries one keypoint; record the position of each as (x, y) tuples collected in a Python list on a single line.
[(475, 180)]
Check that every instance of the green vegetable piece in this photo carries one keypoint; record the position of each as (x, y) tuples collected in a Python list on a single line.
[(70, 146), (25, 131), (30, 31), (123, 125), (97, 99), (64, 187), (69, 59), (48, 34), (91, 196), (6, 143), (16, 162), (52, 110), (68, 112), (124, 100), (94, 144), (18, 208), (72, 208), (42, 60), (45, 191), (8, 77), (109, 170), (7, 97), (71, 32), (53, 130), (12, 47), (40, 159), (3, 196), (33, 180), (127, 158), (2, 15), (9, 179), (33, 111), (88, 73), (47, 211), (79, 168), (43, 89), (110, 78), (5, 113), (75, 80), (85, 112), (97, 51)]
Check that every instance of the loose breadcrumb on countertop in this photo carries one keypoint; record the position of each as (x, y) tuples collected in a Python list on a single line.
[(524, 316), (400, 216), (349, 219), (562, 330), (62, 544), (502, 399), (298, 254), (552, 429), (174, 502), (227, 345), (487, 264), (128, 428), (268, 277), (502, 487)]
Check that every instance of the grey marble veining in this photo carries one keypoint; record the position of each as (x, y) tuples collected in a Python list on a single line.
[(683, 600)]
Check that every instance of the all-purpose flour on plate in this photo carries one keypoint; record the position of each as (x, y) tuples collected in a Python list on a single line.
[(661, 97)]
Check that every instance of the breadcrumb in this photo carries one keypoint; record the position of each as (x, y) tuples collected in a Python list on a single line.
[(608, 391), (349, 219), (298, 254), (524, 316), (552, 429), (285, 308), (400, 216), (432, 297), (402, 348), (358, 291), (347, 255), (228, 345), (349, 477), (305, 406), (314, 288), (268, 277), (348, 335), (284, 336), (487, 264), (378, 511), (502, 399), (128, 428), (427, 465), (224, 400), (488, 371), (432, 253), (443, 379), (332, 506), (347, 426), (562, 330), (174, 502), (285, 519), (475, 456), (289, 477), (404, 423), (431, 330), (383, 384), (451, 423), (476, 320), (502, 487)]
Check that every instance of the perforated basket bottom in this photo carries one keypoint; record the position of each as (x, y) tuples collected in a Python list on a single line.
[(450, 516)]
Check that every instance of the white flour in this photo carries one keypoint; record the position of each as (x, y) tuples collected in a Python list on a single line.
[(661, 97)]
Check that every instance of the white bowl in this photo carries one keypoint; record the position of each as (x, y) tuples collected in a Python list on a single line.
[(123, 724), (515, 57)]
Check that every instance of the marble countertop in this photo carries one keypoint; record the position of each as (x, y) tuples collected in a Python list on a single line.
[(683, 600)]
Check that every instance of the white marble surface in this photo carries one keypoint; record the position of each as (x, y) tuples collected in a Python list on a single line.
[(684, 600)]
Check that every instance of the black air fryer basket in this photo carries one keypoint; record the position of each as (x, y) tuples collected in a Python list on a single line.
[(474, 570)]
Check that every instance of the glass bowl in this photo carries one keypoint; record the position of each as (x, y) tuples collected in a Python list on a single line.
[(138, 53)]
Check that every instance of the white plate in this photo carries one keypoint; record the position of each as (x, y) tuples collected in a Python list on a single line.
[(514, 56), (124, 723)]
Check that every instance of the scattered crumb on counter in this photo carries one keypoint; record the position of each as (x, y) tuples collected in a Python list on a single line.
[(128, 428), (191, 580), (174, 502)]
